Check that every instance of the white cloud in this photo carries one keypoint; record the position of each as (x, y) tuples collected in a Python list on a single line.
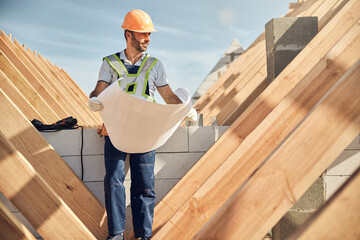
[(239, 31), (172, 30), (226, 16)]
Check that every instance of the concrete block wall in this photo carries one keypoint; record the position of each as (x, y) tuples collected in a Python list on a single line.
[(172, 160)]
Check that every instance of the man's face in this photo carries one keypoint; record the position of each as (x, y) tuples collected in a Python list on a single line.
[(140, 41)]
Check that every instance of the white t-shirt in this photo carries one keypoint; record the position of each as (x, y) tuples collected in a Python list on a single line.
[(157, 76)]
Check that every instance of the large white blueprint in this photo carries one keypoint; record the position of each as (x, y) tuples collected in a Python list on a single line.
[(135, 125)]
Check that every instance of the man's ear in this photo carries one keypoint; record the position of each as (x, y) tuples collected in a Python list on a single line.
[(127, 35)]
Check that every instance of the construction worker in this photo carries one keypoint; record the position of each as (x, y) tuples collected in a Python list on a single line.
[(140, 75)]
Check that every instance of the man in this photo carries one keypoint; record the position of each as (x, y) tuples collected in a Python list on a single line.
[(140, 74)]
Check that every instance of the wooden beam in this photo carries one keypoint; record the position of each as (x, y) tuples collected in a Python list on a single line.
[(220, 100), (35, 199), (60, 102), (243, 99), (31, 79), (76, 96), (237, 64), (339, 217), (78, 105), (50, 166), (293, 5), (82, 98), (225, 79), (11, 228), (27, 90), (293, 167), (264, 139), (233, 109), (13, 93), (255, 114), (62, 94), (85, 97), (53, 80), (328, 10)]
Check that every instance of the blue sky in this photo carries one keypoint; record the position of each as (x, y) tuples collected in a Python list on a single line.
[(192, 36)]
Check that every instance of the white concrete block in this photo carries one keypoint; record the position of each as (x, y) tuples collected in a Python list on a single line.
[(219, 131), (178, 142), (65, 142), (23, 220), (7, 202), (345, 164), (163, 186), (68, 142), (174, 165), (332, 184), (74, 163), (355, 144), (94, 169), (97, 189), (93, 143), (201, 138)]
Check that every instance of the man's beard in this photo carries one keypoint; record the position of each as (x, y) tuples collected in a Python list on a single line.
[(136, 44)]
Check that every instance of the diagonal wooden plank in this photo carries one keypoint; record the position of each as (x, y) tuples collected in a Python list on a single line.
[(61, 93), (49, 77), (19, 52), (220, 100), (80, 95), (236, 106), (35, 199), (78, 105), (50, 166), (11, 228), (306, 9), (264, 139), (53, 81), (8, 50), (83, 96), (15, 95), (293, 167), (27, 90), (227, 78), (338, 218), (238, 93), (255, 113), (243, 99)]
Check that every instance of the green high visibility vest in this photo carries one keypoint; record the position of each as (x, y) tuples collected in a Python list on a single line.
[(133, 83)]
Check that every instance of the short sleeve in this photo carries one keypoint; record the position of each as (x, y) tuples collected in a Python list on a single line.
[(161, 78), (107, 73)]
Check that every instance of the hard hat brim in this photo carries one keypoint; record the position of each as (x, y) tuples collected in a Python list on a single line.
[(141, 31)]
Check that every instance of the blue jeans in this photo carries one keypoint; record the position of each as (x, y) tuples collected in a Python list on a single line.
[(142, 192)]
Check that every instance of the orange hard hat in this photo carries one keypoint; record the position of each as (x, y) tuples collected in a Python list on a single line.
[(138, 21)]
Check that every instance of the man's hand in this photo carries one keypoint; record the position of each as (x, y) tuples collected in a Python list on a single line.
[(192, 116), (94, 104)]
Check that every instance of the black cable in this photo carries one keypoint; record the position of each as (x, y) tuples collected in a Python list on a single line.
[(64, 124), (81, 153)]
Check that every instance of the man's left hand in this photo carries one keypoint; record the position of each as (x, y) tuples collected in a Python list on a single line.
[(192, 116)]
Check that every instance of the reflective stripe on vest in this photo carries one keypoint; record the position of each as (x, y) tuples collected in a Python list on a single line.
[(136, 84)]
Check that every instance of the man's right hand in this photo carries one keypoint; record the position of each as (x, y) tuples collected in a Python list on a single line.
[(94, 104)]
